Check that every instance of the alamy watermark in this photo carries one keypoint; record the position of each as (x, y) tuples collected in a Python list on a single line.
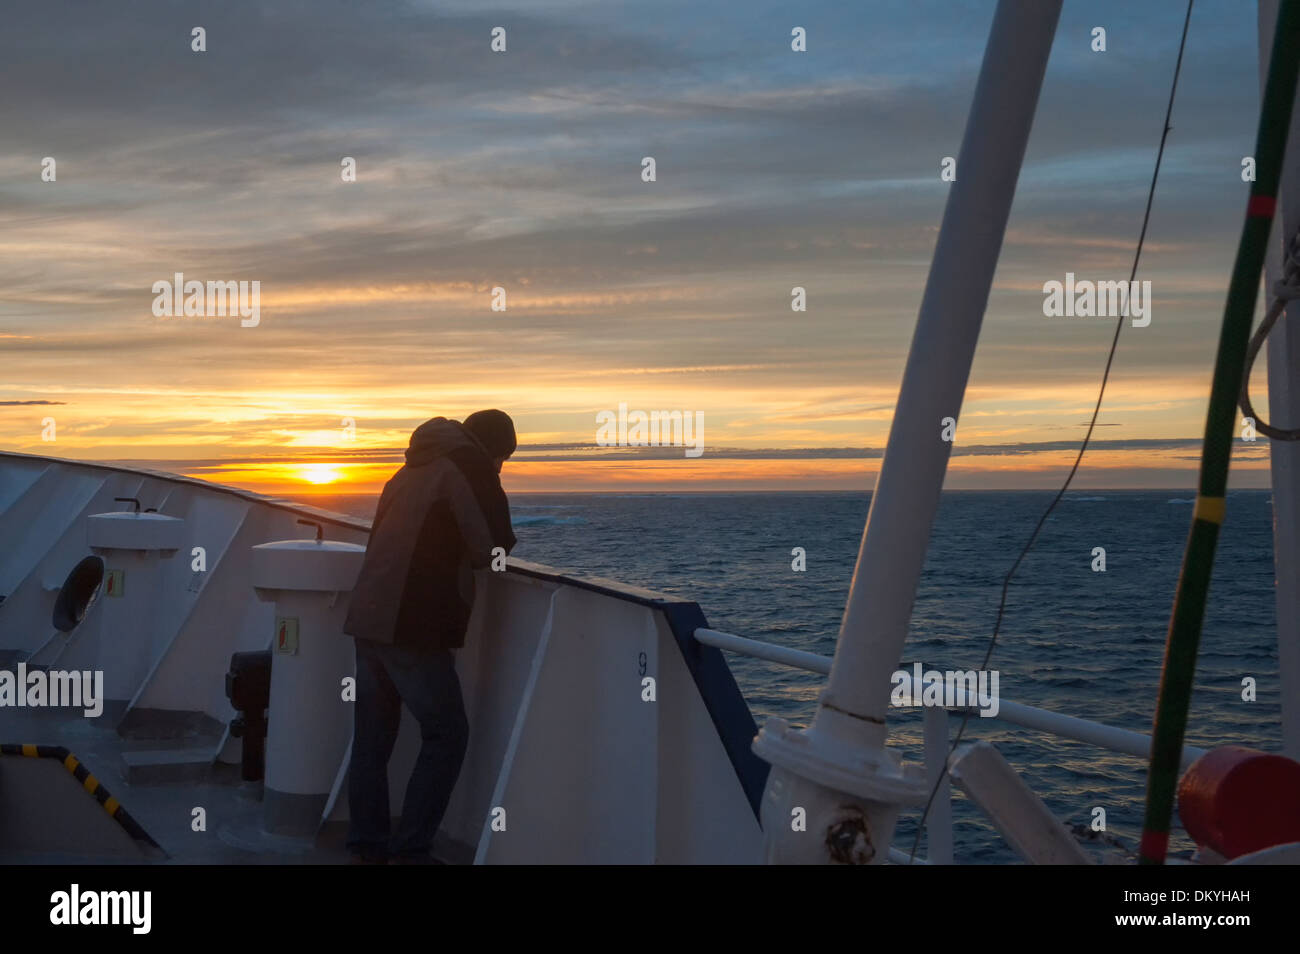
[(954, 689), (75, 906), (193, 299), (651, 429), (53, 688), (1085, 299)]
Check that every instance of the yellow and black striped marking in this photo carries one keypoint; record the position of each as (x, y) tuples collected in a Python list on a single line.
[(88, 782), (1209, 509)]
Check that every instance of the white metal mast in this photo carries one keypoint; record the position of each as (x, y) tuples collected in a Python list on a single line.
[(843, 752), (1284, 411)]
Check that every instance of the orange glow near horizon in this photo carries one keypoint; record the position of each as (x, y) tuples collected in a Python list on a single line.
[(1103, 469)]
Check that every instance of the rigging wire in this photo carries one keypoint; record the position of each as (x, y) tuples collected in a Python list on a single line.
[(1119, 326)]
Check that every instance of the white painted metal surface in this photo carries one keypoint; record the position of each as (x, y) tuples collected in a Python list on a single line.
[(567, 753), (565, 732), (1284, 411), (1024, 821), (125, 637), (124, 530), (310, 716), (308, 566)]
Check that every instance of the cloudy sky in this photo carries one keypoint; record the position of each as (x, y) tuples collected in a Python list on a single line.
[(477, 169)]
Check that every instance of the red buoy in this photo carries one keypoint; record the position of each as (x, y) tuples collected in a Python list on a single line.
[(1237, 800)]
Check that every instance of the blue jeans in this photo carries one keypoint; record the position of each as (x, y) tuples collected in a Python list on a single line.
[(426, 682)]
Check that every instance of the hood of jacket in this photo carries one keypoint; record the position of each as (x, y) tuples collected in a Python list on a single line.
[(438, 438)]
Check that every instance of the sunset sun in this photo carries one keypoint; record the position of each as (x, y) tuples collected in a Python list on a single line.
[(319, 473)]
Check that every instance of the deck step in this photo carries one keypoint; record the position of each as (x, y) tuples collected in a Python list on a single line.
[(155, 766)]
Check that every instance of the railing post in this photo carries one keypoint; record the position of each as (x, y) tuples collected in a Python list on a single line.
[(938, 826)]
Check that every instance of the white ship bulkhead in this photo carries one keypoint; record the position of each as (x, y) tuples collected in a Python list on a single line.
[(601, 731)]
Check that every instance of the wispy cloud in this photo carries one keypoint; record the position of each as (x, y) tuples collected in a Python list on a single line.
[(522, 171)]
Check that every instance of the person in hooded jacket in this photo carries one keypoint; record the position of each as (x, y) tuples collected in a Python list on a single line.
[(440, 517)]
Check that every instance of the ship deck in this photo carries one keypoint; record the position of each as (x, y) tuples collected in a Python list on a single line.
[(160, 788)]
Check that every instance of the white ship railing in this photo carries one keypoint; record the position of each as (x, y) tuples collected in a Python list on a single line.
[(936, 737)]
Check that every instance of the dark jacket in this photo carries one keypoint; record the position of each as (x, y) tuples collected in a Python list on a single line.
[(439, 518)]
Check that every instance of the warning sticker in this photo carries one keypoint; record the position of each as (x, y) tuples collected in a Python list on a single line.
[(286, 635), (115, 584)]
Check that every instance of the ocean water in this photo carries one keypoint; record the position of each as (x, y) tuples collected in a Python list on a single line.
[(1085, 643)]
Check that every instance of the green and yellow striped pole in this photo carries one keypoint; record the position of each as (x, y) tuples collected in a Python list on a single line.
[(1198, 559)]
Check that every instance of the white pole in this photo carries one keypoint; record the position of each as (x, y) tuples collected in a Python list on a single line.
[(1284, 411), (843, 752), (938, 825), (911, 475)]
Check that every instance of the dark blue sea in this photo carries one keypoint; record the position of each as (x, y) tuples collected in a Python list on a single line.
[(1085, 643)]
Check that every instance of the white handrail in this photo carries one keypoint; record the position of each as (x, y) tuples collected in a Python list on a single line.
[(1126, 741), (744, 646)]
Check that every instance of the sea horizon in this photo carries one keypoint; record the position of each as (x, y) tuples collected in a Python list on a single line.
[(813, 492)]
